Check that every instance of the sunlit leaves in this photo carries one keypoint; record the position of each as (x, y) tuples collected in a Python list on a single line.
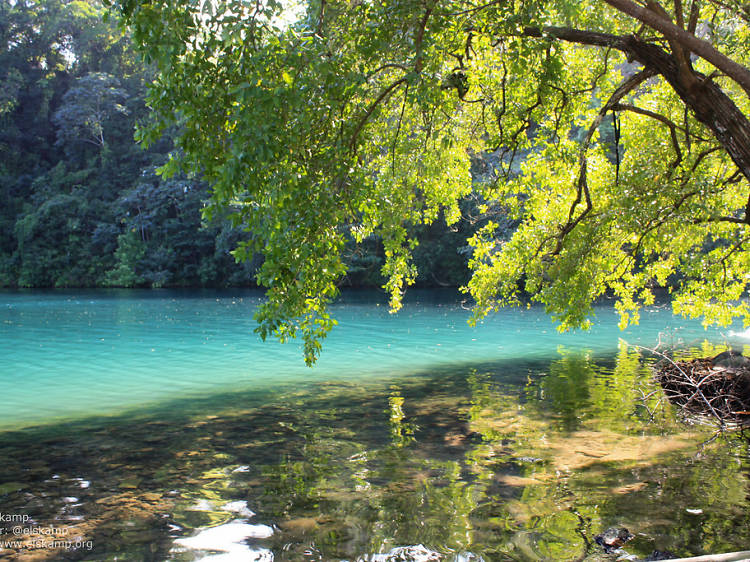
[(336, 125)]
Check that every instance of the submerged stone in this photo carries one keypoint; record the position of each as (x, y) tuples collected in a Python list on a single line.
[(416, 553), (10, 487), (130, 483), (659, 555), (613, 538), (239, 507)]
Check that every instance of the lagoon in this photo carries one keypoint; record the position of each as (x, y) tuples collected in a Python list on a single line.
[(156, 425)]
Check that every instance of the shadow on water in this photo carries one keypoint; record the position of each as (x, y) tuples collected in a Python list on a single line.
[(502, 461)]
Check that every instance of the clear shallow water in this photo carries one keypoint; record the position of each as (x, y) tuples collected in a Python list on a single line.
[(185, 438)]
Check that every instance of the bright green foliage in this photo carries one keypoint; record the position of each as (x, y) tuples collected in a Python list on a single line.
[(362, 118), (130, 250)]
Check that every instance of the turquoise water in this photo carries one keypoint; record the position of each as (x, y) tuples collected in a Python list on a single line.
[(154, 425), (72, 354)]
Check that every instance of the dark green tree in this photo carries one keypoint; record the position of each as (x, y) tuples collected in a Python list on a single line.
[(86, 107)]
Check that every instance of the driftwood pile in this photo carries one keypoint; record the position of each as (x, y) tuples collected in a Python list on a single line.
[(718, 387)]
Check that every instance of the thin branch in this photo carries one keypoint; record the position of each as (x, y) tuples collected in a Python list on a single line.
[(559, 108), (737, 246), (698, 160), (679, 14), (398, 131), (741, 10), (736, 177), (599, 76), (582, 188), (657, 221), (475, 8), (384, 94), (419, 39), (468, 49), (388, 65), (662, 119), (694, 14), (734, 220), (321, 17)]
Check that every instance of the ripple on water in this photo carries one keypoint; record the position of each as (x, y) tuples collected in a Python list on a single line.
[(381, 453), (99, 352)]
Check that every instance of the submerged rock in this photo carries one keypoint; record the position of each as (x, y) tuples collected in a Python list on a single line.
[(659, 555), (10, 487), (239, 507), (230, 540), (613, 538), (416, 553), (731, 358)]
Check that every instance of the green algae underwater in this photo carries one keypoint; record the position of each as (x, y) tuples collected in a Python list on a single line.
[(154, 426)]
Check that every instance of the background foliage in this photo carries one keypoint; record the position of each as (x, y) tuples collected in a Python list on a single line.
[(82, 205)]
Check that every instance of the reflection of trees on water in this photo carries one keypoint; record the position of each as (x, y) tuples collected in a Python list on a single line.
[(529, 472), (504, 464), (601, 463)]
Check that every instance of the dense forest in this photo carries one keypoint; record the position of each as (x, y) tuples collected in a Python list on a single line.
[(82, 204)]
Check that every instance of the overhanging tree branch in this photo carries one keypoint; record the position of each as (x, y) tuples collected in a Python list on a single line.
[(582, 189), (708, 102), (702, 48), (373, 106), (418, 60), (581, 36), (680, 53)]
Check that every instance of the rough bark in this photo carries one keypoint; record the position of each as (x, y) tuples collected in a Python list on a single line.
[(702, 48)]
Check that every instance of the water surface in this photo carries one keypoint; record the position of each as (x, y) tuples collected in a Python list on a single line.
[(156, 426), (71, 354)]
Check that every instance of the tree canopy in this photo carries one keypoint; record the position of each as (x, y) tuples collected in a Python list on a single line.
[(616, 135), (80, 203)]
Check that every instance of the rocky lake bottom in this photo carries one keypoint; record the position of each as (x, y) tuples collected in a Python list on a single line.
[(516, 458)]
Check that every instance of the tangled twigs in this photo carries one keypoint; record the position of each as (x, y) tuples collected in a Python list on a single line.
[(645, 398), (705, 387)]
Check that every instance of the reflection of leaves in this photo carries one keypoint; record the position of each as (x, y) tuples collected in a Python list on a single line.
[(567, 389), (402, 433), (613, 396), (530, 488), (581, 419), (556, 536)]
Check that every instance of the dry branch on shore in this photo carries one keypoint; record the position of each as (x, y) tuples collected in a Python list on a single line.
[(718, 388)]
